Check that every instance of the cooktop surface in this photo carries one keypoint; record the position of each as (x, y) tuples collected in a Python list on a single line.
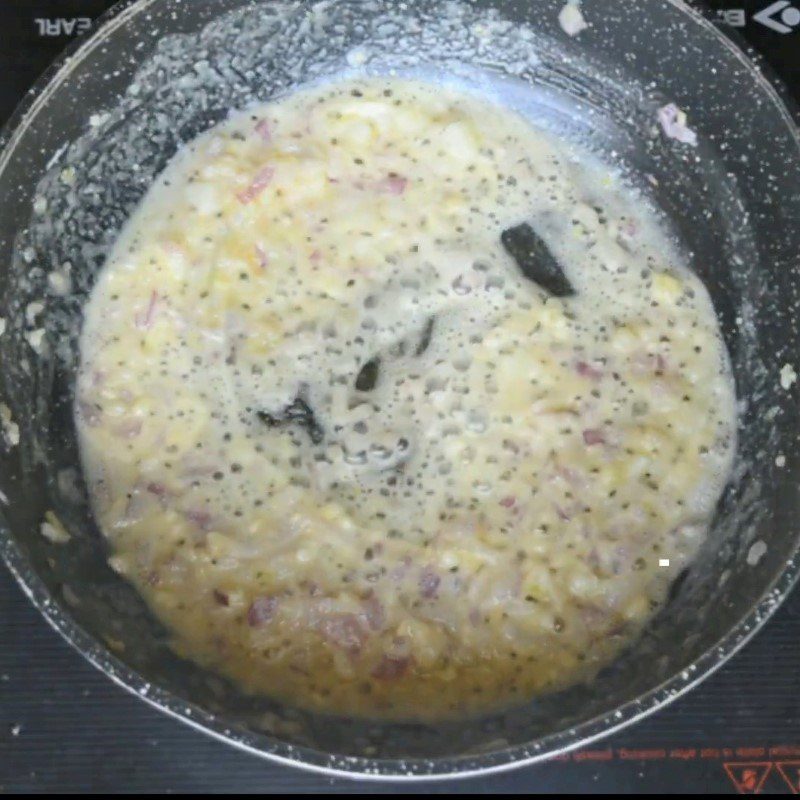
[(65, 727)]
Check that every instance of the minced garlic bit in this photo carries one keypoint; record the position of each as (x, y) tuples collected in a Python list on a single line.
[(355, 450), (10, 428), (60, 283), (571, 19), (32, 311), (53, 530), (36, 339), (756, 553), (68, 175), (788, 376)]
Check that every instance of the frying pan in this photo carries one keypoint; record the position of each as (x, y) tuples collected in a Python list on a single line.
[(88, 141)]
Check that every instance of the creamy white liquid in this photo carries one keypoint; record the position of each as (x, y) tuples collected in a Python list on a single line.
[(488, 520)]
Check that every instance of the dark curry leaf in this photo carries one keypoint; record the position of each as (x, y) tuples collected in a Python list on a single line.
[(535, 260), (298, 412)]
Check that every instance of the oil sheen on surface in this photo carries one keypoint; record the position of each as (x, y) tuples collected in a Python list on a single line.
[(350, 455)]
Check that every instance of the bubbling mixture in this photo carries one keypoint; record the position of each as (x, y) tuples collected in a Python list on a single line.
[(392, 404)]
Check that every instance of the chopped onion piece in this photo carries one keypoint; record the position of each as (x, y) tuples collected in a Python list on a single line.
[(673, 123)]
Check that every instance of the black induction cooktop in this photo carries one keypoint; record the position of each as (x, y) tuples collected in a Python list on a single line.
[(65, 727)]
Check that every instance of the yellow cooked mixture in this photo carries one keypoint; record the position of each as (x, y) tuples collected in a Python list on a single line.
[(392, 404)]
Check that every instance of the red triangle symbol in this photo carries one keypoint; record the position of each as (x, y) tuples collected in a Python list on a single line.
[(748, 776), (790, 772)]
